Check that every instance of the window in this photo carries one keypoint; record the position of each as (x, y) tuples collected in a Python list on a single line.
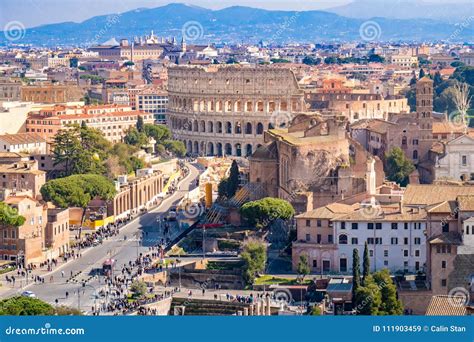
[(405, 252), (370, 241), (394, 241), (385, 253), (417, 241), (343, 239), (354, 241), (315, 263), (378, 241), (308, 223), (330, 238), (318, 223), (394, 225), (355, 225), (343, 225), (371, 253), (443, 264), (405, 225), (405, 241), (417, 252), (318, 238), (464, 160), (445, 227), (370, 226), (308, 237), (385, 262), (443, 282), (378, 225)]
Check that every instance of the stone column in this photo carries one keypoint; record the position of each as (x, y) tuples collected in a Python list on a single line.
[(246, 311), (269, 312), (252, 310)]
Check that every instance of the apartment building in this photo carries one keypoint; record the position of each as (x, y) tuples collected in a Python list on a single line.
[(113, 120), (30, 143)]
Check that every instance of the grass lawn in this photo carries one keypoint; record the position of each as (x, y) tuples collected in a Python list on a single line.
[(271, 280)]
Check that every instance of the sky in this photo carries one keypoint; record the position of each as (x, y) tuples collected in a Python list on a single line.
[(33, 13)]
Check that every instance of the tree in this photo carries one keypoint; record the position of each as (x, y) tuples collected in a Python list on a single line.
[(254, 255), (135, 138), (140, 124), (266, 210), (9, 216), (390, 304), (374, 58), (366, 264), (316, 311), (309, 60), (234, 181), (176, 147), (80, 149), (398, 167), (355, 274), (437, 80), (369, 298), (303, 267), (138, 288), (421, 74), (222, 187), (26, 306), (77, 191), (462, 100), (157, 132)]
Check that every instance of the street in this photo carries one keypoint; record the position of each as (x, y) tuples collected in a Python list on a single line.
[(134, 238)]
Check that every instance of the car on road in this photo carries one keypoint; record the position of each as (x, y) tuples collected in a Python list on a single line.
[(28, 294)]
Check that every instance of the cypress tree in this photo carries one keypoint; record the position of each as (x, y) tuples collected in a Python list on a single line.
[(355, 274), (366, 264), (140, 124), (422, 74), (233, 181)]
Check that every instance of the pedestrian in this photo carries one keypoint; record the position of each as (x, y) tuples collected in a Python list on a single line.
[(62, 274)]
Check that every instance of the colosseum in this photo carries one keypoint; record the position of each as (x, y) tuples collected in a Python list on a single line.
[(223, 110)]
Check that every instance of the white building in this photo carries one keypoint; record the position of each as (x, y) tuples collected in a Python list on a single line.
[(396, 240), (458, 160), (30, 143)]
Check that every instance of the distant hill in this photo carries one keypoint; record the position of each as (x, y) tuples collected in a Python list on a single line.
[(237, 24), (407, 9)]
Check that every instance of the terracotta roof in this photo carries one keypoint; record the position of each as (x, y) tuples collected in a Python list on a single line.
[(425, 79), (445, 127), (450, 238), (329, 211), (446, 306), (374, 125), (465, 203), (22, 138), (429, 194)]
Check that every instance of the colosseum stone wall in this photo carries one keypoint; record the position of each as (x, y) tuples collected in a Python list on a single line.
[(223, 110)]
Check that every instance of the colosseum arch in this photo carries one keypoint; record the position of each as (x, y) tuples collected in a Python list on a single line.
[(228, 106), (202, 127), (271, 126), (238, 127), (228, 127), (195, 126), (219, 149), (238, 150), (238, 106), (248, 128), (228, 149), (210, 149), (219, 127), (248, 150), (219, 106), (259, 128), (249, 106), (190, 146), (210, 127), (196, 147)]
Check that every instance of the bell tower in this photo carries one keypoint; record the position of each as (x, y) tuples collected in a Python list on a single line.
[(424, 98)]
